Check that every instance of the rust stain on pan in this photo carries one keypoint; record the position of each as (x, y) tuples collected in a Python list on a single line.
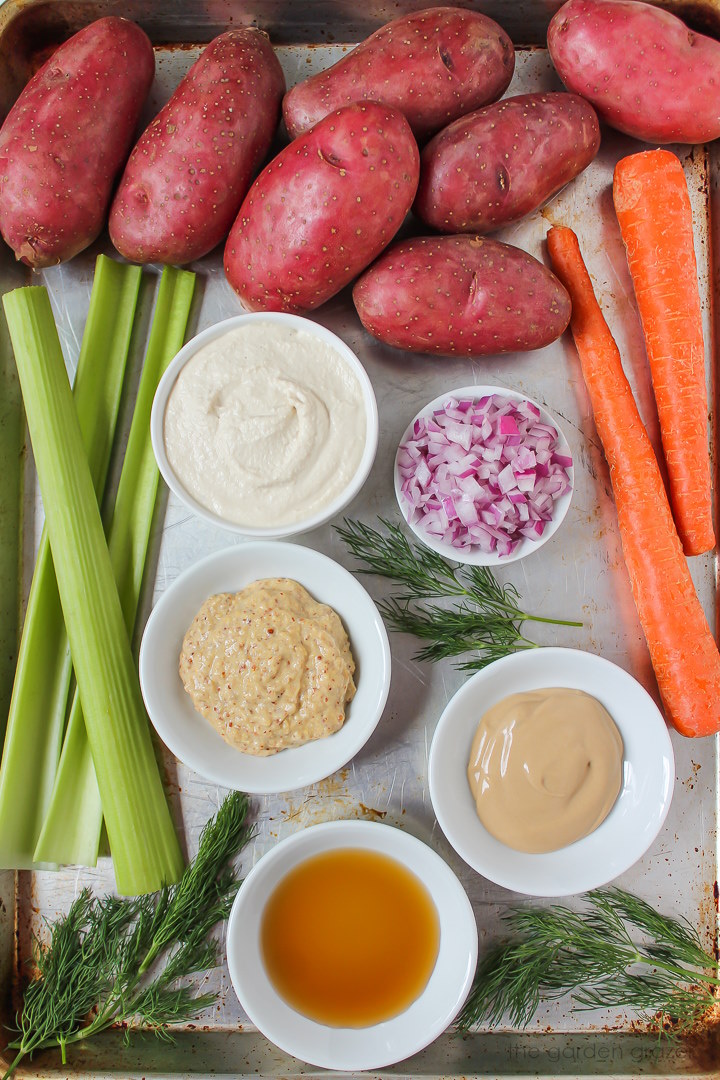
[(703, 1047), (26, 913), (370, 812), (177, 47)]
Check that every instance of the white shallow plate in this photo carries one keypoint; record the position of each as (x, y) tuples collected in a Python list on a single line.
[(473, 555), (635, 819), (354, 1048), (191, 738)]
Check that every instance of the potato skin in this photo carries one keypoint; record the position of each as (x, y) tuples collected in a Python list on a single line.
[(323, 209), (646, 73), (189, 172), (432, 66), (502, 162), (461, 296), (66, 138)]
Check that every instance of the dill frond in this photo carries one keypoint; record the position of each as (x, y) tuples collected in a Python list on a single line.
[(115, 960), (485, 620), (615, 952)]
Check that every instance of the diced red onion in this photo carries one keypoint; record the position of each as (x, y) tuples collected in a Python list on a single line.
[(483, 473), (507, 425), (507, 479)]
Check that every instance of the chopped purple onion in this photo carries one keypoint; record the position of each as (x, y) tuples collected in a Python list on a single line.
[(483, 474)]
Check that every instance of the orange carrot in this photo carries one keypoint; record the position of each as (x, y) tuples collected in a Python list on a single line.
[(653, 208), (682, 649)]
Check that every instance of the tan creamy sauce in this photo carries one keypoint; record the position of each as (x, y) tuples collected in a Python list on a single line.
[(269, 667), (266, 425), (546, 767)]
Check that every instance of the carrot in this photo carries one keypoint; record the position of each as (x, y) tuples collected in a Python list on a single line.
[(682, 649), (653, 208)]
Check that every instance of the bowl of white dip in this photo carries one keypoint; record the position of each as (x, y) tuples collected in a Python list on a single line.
[(265, 424)]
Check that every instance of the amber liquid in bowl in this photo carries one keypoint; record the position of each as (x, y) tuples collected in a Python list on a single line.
[(350, 938)]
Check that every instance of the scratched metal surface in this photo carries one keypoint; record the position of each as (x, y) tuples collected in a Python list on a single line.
[(578, 574)]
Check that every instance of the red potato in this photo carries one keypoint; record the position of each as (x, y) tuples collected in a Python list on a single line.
[(461, 296), (502, 162), (645, 72), (432, 66), (66, 138), (187, 176), (323, 209)]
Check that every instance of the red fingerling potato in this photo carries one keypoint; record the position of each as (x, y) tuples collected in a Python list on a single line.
[(187, 176), (432, 66), (461, 296), (504, 161), (66, 138), (323, 209), (645, 72)]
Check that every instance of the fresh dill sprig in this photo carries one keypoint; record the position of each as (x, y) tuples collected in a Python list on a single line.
[(487, 621), (616, 952), (115, 959), (455, 630)]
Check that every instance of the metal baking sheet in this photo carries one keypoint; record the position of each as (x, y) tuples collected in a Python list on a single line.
[(578, 574)]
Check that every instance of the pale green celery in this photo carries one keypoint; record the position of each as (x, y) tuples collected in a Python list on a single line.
[(144, 843), (12, 427), (36, 718), (71, 832)]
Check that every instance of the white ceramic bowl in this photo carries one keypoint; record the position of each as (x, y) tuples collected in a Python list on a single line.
[(192, 738), (635, 819), (354, 1048), (166, 384), (474, 555)]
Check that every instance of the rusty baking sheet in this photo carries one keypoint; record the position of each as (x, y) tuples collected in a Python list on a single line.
[(578, 574)]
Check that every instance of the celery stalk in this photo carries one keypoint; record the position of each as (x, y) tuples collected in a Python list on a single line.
[(71, 832), (145, 847), (12, 431), (38, 706)]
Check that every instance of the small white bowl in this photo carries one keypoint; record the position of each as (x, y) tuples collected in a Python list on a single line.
[(474, 555), (191, 737), (350, 1049), (635, 819), (167, 382)]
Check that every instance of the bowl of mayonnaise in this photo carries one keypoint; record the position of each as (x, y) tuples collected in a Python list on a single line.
[(551, 771), (265, 424)]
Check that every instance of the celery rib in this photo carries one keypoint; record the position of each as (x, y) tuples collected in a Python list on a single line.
[(71, 832), (145, 847), (38, 705), (11, 470)]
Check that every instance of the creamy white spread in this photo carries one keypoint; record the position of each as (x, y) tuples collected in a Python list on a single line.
[(265, 425)]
